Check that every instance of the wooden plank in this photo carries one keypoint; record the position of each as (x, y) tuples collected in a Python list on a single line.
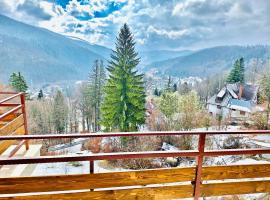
[(2, 124), (234, 188), (93, 181), (12, 126), (5, 144), (9, 117), (152, 193), (236, 172)]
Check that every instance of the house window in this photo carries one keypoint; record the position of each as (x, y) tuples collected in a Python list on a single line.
[(233, 110), (242, 112), (218, 106)]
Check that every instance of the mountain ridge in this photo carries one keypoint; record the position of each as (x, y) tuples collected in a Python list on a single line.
[(210, 60), (43, 56)]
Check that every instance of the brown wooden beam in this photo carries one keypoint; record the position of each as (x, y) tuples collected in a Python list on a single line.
[(99, 156), (127, 134)]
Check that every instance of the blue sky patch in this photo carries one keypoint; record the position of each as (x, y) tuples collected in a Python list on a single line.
[(62, 3), (111, 7)]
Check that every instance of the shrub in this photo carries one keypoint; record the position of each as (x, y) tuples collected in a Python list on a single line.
[(260, 121)]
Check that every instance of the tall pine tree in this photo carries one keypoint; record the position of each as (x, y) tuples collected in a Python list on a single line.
[(18, 82), (237, 73), (123, 107)]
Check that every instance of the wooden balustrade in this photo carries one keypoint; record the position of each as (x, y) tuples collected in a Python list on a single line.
[(13, 121), (171, 183)]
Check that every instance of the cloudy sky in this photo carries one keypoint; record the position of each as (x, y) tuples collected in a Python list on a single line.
[(156, 24)]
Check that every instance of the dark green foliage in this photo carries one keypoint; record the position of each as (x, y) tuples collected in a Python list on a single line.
[(237, 74), (60, 113), (174, 89), (18, 82), (40, 94), (157, 92), (123, 107)]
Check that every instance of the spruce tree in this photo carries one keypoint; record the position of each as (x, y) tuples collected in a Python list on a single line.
[(237, 73), (174, 87), (123, 107), (40, 94), (156, 92), (241, 70), (18, 82)]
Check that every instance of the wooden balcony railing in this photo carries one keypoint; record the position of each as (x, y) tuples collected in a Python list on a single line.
[(194, 180), (12, 119), (169, 183)]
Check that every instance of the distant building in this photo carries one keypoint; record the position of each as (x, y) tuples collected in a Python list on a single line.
[(235, 101)]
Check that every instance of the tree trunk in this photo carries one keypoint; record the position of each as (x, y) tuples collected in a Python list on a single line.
[(83, 123)]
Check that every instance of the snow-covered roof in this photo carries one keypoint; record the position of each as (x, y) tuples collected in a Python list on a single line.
[(232, 93), (228, 97), (240, 105), (221, 93)]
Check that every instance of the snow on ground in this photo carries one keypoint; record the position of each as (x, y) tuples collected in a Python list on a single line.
[(72, 167), (250, 161), (74, 148), (263, 138)]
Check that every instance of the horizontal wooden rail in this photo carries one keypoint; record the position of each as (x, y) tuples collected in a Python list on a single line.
[(11, 97), (235, 188), (146, 193), (13, 110), (8, 92), (212, 153), (71, 186), (99, 156), (129, 134), (130, 178), (94, 181), (235, 171), (9, 104), (129, 155)]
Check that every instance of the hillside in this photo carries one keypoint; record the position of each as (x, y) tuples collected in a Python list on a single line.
[(43, 56), (47, 57), (209, 61), (148, 57)]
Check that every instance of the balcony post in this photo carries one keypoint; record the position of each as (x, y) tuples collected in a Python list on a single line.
[(22, 96), (197, 187)]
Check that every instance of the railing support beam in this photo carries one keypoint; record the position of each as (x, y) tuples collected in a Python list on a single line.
[(197, 187), (24, 119)]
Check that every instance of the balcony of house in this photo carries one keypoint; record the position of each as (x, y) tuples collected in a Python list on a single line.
[(20, 155)]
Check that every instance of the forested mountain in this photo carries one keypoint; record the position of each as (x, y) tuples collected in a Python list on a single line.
[(209, 61), (148, 57), (43, 56)]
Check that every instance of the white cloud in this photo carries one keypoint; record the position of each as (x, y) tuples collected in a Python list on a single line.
[(156, 24), (171, 34)]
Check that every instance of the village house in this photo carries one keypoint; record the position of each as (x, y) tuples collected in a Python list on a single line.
[(234, 101)]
